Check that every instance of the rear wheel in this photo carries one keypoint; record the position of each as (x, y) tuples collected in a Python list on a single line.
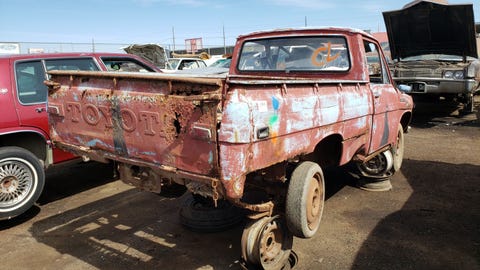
[(21, 181), (398, 150), (305, 199)]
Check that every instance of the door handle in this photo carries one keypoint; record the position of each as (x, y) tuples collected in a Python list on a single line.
[(40, 109)]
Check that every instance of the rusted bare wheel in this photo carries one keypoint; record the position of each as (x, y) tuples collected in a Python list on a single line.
[(305, 199), (398, 150), (21, 181), (378, 166), (267, 243)]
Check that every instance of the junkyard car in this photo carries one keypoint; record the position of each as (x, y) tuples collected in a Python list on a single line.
[(175, 64), (25, 146), (294, 102), (434, 49)]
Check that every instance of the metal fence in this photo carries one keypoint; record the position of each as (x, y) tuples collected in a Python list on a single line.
[(48, 47)]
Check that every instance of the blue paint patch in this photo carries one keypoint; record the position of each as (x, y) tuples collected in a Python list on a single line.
[(148, 153), (275, 103), (95, 142), (210, 157)]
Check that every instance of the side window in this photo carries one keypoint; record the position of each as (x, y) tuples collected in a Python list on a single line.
[(125, 65), (30, 87), (71, 64), (377, 69)]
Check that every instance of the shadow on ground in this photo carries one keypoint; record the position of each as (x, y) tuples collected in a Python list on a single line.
[(437, 228), (427, 114), (120, 232), (63, 181)]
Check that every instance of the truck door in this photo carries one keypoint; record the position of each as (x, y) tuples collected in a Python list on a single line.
[(383, 93)]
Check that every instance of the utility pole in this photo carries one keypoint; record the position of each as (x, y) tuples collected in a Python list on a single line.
[(224, 46), (173, 34), (305, 21), (93, 45)]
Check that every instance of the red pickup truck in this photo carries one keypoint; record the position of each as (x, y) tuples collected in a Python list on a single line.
[(25, 146), (294, 102)]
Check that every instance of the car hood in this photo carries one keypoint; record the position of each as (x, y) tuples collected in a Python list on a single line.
[(431, 27), (151, 52)]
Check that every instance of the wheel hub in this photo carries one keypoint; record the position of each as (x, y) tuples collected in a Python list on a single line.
[(16, 180), (266, 243), (313, 204), (9, 184), (270, 243)]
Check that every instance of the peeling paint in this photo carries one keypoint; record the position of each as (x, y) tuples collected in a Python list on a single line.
[(218, 130)]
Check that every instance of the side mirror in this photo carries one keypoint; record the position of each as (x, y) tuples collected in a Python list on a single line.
[(405, 88)]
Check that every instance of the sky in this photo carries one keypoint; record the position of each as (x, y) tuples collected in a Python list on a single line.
[(163, 21)]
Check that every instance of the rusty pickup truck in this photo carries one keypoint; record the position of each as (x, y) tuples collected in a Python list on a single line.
[(294, 102)]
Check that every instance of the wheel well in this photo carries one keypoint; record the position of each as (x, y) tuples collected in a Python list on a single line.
[(328, 151), (406, 118), (31, 141)]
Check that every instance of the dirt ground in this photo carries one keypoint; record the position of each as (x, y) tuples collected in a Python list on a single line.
[(430, 220)]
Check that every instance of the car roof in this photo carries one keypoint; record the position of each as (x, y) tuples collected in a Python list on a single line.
[(15, 57), (65, 55)]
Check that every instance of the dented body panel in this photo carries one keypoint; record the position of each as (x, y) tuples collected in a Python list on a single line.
[(218, 131)]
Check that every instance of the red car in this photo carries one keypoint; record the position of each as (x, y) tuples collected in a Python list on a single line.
[(25, 146)]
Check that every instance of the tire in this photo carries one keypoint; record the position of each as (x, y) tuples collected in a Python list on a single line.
[(305, 199), (202, 216), (468, 105), (22, 179), (267, 244), (398, 150), (380, 166)]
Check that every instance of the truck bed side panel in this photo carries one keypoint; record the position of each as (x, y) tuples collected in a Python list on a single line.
[(277, 122)]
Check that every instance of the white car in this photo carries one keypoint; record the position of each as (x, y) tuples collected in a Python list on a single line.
[(175, 64)]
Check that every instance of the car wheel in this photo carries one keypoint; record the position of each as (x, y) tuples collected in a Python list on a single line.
[(305, 199), (377, 167), (398, 150), (468, 105), (201, 215), (267, 244), (21, 181)]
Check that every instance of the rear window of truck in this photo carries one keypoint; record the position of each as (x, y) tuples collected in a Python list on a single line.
[(318, 53)]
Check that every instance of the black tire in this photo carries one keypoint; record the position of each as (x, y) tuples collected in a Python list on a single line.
[(305, 199), (22, 179), (203, 216), (468, 105), (398, 150)]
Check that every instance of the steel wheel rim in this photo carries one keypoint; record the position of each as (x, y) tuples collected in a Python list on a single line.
[(314, 203), (271, 241), (16, 181)]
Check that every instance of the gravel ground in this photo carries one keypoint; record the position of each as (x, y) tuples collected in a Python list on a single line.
[(429, 220)]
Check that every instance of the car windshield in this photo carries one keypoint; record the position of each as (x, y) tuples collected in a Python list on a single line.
[(316, 53), (173, 63), (436, 57), (222, 63)]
